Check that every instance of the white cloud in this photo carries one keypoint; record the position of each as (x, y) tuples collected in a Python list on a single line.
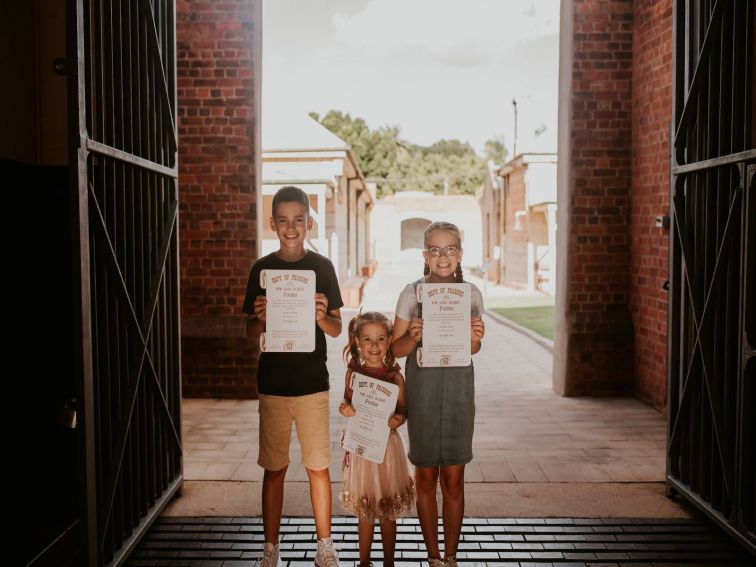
[(450, 31), (437, 69)]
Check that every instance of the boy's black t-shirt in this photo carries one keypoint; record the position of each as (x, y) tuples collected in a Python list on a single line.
[(295, 373)]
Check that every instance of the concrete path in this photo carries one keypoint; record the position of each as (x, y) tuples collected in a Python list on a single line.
[(524, 432)]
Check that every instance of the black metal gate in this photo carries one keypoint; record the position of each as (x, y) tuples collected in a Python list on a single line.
[(123, 92), (712, 310)]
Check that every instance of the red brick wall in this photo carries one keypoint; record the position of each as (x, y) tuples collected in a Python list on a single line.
[(598, 322), (652, 111), (216, 100)]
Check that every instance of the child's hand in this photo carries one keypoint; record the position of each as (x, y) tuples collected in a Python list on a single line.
[(346, 409), (415, 330), (477, 329), (395, 421), (259, 306), (321, 306)]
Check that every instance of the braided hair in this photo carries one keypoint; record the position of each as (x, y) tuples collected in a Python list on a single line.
[(449, 227), (351, 350)]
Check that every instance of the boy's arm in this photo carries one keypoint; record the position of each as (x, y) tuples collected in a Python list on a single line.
[(405, 336), (331, 323), (329, 303), (328, 321), (255, 328), (256, 321)]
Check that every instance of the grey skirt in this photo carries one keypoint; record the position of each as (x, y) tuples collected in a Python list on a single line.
[(440, 414)]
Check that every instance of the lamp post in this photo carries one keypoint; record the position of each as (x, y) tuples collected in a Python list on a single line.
[(515, 101), (514, 149)]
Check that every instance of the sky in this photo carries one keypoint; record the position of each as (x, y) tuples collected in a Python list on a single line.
[(437, 69)]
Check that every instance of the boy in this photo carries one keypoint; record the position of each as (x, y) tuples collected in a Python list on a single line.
[(293, 387)]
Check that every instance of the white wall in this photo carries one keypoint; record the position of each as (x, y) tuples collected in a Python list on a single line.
[(388, 214), (541, 183)]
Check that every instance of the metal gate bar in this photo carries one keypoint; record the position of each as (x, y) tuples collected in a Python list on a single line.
[(710, 366), (128, 203)]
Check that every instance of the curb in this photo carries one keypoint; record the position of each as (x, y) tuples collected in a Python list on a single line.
[(547, 344)]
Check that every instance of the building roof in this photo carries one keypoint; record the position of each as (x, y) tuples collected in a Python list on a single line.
[(298, 149), (527, 158), (301, 171), (295, 131)]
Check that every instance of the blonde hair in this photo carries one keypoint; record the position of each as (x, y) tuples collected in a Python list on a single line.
[(351, 350), (448, 227)]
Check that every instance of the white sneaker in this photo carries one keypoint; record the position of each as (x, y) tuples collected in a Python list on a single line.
[(326, 556), (270, 557)]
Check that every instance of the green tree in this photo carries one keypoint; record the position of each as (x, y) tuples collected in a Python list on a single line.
[(496, 151), (397, 165), (421, 169), (376, 150), (449, 148)]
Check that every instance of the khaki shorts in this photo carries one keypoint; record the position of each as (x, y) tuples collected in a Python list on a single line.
[(311, 415)]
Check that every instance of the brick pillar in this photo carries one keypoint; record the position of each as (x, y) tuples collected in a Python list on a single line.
[(218, 59), (652, 111), (593, 351)]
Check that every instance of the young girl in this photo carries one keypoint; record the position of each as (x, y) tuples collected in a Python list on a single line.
[(371, 490), (440, 401)]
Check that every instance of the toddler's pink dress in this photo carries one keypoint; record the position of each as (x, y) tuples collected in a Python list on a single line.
[(373, 490)]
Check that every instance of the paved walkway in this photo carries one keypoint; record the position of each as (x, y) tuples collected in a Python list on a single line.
[(524, 432)]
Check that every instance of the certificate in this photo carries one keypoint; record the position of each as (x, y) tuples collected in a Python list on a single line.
[(367, 433), (446, 324), (289, 312)]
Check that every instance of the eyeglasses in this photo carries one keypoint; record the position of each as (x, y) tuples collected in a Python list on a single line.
[(436, 251)]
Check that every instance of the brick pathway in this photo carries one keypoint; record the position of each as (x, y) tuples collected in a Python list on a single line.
[(557, 542)]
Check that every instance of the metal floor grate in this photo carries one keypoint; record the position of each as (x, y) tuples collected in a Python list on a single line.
[(226, 542)]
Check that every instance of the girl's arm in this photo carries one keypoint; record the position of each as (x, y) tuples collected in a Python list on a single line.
[(345, 407), (477, 330), (400, 414), (405, 336)]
